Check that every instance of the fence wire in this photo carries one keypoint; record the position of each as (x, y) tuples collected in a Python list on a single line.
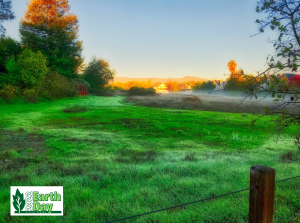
[(193, 202), (205, 199)]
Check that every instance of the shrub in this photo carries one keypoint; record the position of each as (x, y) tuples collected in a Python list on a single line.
[(30, 95), (57, 86), (6, 96), (141, 91), (106, 91), (8, 93)]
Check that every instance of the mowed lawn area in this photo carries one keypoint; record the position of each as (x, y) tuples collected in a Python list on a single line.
[(115, 159)]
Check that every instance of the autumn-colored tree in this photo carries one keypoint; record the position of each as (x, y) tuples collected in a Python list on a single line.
[(232, 66), (50, 13), (47, 26), (173, 86)]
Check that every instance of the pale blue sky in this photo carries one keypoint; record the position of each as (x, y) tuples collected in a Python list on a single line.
[(167, 38)]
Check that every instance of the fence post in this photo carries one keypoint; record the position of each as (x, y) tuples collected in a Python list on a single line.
[(261, 202)]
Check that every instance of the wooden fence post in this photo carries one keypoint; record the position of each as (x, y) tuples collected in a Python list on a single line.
[(261, 202)]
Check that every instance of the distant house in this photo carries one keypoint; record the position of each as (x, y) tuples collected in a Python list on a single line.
[(220, 84), (288, 77), (160, 87)]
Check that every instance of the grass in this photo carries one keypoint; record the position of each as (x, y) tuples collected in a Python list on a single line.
[(116, 160)]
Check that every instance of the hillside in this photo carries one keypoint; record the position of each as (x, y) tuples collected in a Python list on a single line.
[(154, 80)]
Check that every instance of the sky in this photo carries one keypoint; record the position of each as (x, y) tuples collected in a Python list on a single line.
[(167, 38)]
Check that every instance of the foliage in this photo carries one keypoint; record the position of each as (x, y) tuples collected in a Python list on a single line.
[(205, 86), (98, 73), (283, 16), (30, 95), (9, 48), (141, 91), (129, 84), (33, 67), (50, 28), (106, 91), (8, 93), (232, 66), (5, 14), (13, 75), (173, 86), (56, 86)]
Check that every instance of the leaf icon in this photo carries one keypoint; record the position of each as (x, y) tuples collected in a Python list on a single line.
[(19, 201)]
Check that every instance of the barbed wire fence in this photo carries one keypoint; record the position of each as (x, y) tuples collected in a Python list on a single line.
[(193, 202)]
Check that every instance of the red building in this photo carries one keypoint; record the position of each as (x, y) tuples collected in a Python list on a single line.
[(82, 88)]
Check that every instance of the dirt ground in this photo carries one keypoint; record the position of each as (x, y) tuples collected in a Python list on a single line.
[(207, 102)]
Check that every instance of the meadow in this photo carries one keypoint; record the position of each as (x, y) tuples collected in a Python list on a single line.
[(116, 159)]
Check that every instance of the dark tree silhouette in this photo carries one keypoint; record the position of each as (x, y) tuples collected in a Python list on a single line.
[(5, 14)]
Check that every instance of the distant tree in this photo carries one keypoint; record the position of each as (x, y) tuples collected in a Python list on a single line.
[(141, 91), (173, 86), (5, 14), (9, 48), (48, 27), (98, 73), (204, 86), (232, 66)]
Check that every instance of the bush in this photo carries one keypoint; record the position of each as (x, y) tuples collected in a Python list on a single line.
[(57, 86), (8, 93), (107, 91), (141, 91), (30, 95)]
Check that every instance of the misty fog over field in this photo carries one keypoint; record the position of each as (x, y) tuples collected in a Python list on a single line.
[(211, 101)]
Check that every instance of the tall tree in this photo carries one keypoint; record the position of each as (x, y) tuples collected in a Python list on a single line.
[(48, 27), (232, 66), (5, 14)]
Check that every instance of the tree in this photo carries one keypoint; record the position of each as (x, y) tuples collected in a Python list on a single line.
[(232, 66), (5, 14), (204, 86), (173, 86), (284, 16), (98, 73), (28, 70), (48, 27), (9, 48)]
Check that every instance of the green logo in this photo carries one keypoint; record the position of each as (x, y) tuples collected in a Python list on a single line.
[(19, 202), (36, 201)]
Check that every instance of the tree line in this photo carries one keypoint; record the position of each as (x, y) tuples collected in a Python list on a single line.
[(48, 61)]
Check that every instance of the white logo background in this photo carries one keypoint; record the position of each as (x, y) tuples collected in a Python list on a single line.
[(28, 197)]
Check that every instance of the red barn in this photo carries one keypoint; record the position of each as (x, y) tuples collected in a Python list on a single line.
[(82, 88)]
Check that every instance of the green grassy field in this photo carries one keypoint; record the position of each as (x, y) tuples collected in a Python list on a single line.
[(116, 160)]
